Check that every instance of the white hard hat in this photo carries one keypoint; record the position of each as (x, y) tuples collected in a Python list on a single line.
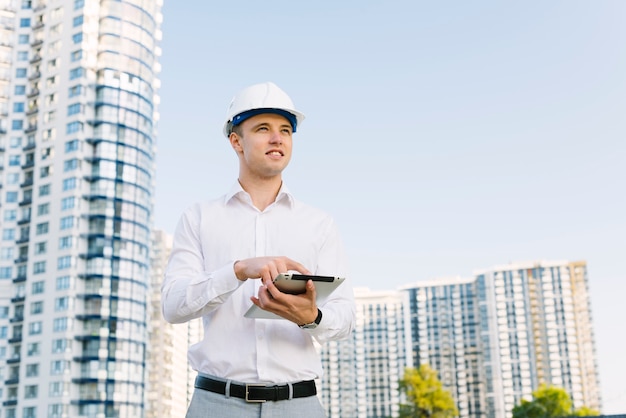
[(258, 99)]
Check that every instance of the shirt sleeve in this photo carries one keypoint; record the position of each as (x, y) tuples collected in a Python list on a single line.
[(188, 291), (339, 309)]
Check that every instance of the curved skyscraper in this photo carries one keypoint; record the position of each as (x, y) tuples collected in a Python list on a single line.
[(77, 202)]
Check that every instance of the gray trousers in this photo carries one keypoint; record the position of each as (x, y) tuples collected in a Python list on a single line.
[(205, 404)]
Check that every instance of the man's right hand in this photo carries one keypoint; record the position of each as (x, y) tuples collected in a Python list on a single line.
[(266, 268)]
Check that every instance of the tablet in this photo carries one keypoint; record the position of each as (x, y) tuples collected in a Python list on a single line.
[(295, 284)]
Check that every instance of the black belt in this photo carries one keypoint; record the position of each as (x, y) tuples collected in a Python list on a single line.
[(253, 392)]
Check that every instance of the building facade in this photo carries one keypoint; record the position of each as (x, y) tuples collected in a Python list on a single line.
[(445, 334), (494, 338), (361, 374), (78, 144), (170, 378), (537, 329)]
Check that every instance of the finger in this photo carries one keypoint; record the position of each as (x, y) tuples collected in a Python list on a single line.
[(311, 291), (294, 265)]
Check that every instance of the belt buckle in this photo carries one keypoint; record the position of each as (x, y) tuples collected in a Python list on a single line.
[(248, 385)]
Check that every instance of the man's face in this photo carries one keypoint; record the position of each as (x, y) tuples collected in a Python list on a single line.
[(263, 145)]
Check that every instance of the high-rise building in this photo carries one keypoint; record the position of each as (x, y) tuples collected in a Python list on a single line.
[(362, 374), (171, 379), (536, 329), (78, 114), (493, 338), (445, 334)]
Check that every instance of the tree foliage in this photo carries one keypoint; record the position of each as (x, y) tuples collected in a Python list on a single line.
[(550, 402), (425, 395)]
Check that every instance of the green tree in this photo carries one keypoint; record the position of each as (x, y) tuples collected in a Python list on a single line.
[(425, 395), (550, 402)]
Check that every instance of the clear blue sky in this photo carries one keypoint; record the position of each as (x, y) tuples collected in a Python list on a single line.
[(444, 137)]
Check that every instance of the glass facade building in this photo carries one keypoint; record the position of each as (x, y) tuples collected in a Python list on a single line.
[(77, 200)]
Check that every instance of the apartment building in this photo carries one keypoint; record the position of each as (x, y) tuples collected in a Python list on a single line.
[(77, 148)]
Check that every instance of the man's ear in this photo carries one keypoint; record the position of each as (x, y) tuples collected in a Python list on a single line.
[(235, 142)]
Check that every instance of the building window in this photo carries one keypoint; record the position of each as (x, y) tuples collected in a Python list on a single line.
[(44, 190), (11, 197), (63, 282), (22, 55), (38, 287), (34, 328), (6, 253), (6, 272), (10, 214), (76, 73), (74, 127), (17, 125), (40, 248), (18, 107), (65, 243), (20, 72), (44, 171), (43, 209), (77, 37), (36, 307), (61, 304), (20, 90), (32, 349), (32, 370), (42, 228), (75, 91), (24, 22), (68, 202), (23, 39), (78, 4), (71, 146), (29, 412), (70, 165), (39, 267), (60, 345), (60, 324), (8, 234), (69, 184), (73, 109), (76, 55), (67, 222), (30, 392), (77, 21), (64, 262)]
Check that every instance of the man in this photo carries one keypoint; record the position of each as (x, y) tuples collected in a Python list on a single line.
[(225, 255)]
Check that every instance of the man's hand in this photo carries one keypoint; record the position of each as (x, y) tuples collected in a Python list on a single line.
[(266, 268), (300, 309)]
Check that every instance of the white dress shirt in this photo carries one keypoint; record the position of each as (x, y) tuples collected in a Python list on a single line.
[(200, 282)]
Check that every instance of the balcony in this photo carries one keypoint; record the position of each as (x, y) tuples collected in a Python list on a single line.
[(33, 93), (16, 319), (28, 182), (30, 128), (36, 75), (16, 339), (21, 259), (36, 43), (28, 147), (26, 201), (19, 279), (10, 402), (23, 221), (22, 240), (17, 299), (14, 359)]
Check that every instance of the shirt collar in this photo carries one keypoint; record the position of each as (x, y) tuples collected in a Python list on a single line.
[(284, 195)]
